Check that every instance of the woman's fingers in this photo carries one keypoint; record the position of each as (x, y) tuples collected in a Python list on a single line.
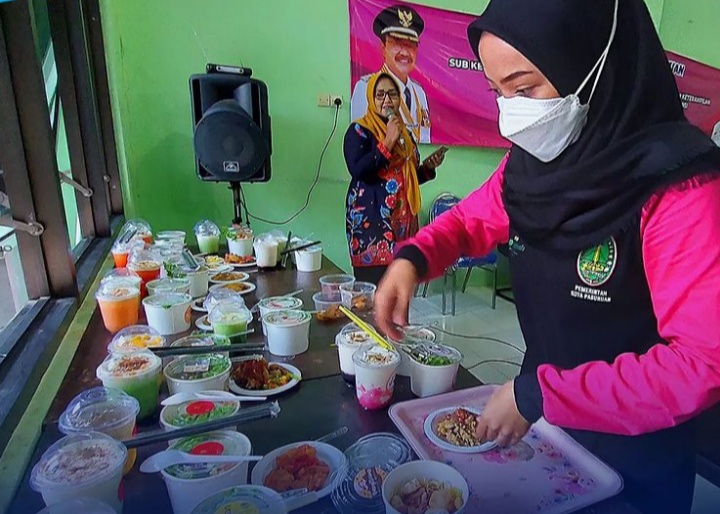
[(392, 300)]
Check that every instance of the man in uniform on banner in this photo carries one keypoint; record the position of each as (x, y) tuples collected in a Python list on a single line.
[(399, 29)]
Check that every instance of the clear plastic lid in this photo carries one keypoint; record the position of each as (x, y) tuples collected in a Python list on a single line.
[(194, 412), (277, 303), (373, 355), (135, 338), (337, 280), (168, 285), (122, 274), (236, 233), (198, 367), (141, 226), (78, 460), (131, 365), (267, 238), (79, 506), (287, 318), (416, 333), (243, 499), (99, 409), (352, 335), (370, 460), (221, 295), (144, 260), (171, 235), (119, 247), (167, 300), (229, 313), (206, 228), (196, 340), (117, 290)]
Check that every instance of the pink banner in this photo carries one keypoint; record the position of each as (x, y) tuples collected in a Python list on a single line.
[(451, 103), (699, 86), (427, 51)]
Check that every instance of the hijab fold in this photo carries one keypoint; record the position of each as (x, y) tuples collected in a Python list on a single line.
[(403, 154), (636, 141)]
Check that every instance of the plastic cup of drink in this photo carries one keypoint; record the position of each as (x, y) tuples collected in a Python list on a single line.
[(240, 242), (348, 341), (138, 374), (172, 235), (105, 410), (147, 265), (208, 236), (169, 285), (266, 253), (230, 319), (375, 370), (119, 302), (278, 303), (86, 464), (121, 252), (168, 313)]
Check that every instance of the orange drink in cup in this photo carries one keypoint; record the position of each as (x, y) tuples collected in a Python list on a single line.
[(119, 302)]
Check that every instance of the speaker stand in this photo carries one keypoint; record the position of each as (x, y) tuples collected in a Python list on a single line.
[(237, 203)]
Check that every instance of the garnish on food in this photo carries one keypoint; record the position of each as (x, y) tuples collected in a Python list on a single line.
[(458, 428)]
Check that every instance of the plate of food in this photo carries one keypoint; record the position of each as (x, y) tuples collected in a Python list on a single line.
[(203, 324), (239, 261), (453, 429), (228, 277), (197, 305), (306, 466), (257, 377), (239, 287)]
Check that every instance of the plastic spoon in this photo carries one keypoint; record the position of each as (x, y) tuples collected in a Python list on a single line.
[(165, 459), (179, 398)]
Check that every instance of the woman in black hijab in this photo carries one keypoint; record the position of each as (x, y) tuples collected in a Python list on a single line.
[(610, 202)]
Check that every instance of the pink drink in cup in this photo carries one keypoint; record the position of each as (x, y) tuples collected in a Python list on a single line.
[(375, 370)]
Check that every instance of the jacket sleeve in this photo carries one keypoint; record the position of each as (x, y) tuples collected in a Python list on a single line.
[(677, 378), (364, 155), (470, 229)]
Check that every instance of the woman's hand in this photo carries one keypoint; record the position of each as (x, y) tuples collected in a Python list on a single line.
[(394, 129), (434, 160), (392, 300), (501, 421)]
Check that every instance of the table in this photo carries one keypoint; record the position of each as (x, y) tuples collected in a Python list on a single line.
[(321, 404)]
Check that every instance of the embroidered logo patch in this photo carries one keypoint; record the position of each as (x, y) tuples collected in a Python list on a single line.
[(595, 266)]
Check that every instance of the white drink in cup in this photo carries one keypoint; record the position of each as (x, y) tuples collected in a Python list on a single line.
[(266, 253), (375, 370), (348, 341), (81, 465)]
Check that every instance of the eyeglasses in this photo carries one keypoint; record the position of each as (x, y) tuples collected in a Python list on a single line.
[(393, 94)]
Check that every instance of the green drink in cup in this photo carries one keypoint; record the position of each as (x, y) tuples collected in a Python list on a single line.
[(138, 374), (230, 319), (208, 237)]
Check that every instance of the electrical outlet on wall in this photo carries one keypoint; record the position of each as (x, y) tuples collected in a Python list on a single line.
[(336, 100)]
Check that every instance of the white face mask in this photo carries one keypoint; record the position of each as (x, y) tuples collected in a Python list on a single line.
[(546, 127)]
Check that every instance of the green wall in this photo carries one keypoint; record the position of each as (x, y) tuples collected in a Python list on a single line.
[(689, 27), (299, 48)]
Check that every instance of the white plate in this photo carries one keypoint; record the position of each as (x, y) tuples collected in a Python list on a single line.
[(270, 392), (445, 445), (333, 457), (202, 324), (197, 305), (246, 265), (250, 289), (219, 268), (243, 277)]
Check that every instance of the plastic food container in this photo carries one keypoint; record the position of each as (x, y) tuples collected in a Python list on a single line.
[(195, 340), (358, 296), (172, 235), (375, 370), (189, 484), (196, 373), (331, 283), (278, 303), (309, 260), (135, 338), (142, 228), (348, 341), (254, 499), (168, 313), (370, 460), (412, 334), (428, 470), (105, 410), (169, 285), (240, 241), (147, 264), (194, 412), (221, 295), (119, 302), (81, 465), (138, 374), (288, 332), (266, 251), (429, 380), (327, 301), (208, 236), (230, 319), (199, 279), (79, 506)]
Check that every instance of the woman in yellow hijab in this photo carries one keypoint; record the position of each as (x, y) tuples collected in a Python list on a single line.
[(383, 199)]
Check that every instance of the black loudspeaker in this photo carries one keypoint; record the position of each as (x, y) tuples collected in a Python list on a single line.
[(232, 137)]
